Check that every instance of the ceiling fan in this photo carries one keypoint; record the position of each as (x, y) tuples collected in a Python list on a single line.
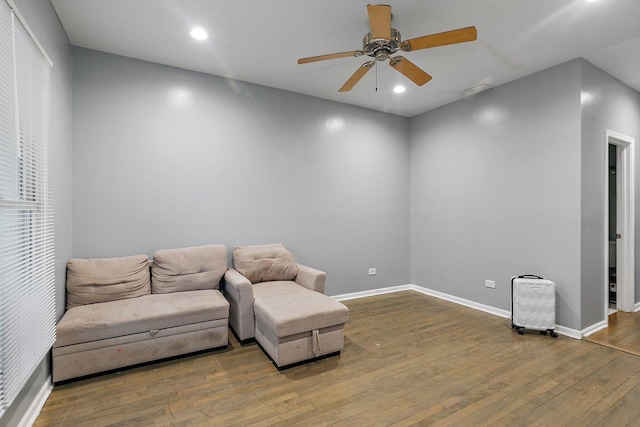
[(383, 41)]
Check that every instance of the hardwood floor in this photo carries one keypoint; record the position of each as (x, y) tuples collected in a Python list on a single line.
[(408, 359), (622, 334)]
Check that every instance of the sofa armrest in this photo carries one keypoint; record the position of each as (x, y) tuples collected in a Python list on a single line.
[(239, 293), (311, 278)]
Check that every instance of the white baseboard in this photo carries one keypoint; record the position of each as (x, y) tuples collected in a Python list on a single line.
[(467, 303), (594, 328), (38, 402), (568, 332), (373, 292), (426, 291), (571, 333), (636, 307)]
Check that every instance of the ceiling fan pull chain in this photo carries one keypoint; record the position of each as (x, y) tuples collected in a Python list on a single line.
[(376, 75)]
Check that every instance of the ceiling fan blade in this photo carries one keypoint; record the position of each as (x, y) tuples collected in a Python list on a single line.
[(380, 20), (410, 70), (355, 53), (460, 35), (355, 78)]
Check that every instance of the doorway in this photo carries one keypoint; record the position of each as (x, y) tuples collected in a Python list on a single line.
[(619, 220), (613, 230)]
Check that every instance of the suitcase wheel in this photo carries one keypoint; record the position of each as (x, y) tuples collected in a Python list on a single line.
[(520, 331), (554, 334)]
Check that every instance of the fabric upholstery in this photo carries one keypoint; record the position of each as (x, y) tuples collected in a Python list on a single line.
[(114, 326), (151, 312), (188, 269), (311, 278), (282, 304), (265, 263), (140, 336), (99, 280), (287, 308), (75, 364), (239, 292), (300, 347)]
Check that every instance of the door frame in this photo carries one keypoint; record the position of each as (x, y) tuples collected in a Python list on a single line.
[(625, 219)]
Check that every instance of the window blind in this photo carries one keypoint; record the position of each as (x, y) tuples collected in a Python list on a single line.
[(27, 281)]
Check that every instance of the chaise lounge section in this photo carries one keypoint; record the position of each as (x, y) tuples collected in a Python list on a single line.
[(118, 316), (282, 305)]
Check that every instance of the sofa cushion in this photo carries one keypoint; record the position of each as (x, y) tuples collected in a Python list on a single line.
[(287, 308), (188, 269), (145, 314), (265, 262), (97, 280)]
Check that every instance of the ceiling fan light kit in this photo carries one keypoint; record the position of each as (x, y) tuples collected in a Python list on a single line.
[(383, 41)]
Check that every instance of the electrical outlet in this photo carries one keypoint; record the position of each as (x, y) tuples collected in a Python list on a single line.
[(372, 272), (490, 284)]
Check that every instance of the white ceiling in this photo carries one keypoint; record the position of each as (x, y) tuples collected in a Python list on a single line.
[(260, 41)]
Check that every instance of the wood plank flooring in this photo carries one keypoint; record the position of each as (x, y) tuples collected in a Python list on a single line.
[(622, 334), (409, 359)]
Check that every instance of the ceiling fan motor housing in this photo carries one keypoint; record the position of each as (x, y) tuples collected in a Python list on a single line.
[(381, 49)]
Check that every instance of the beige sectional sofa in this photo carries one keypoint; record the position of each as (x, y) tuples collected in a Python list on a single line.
[(282, 305), (121, 312)]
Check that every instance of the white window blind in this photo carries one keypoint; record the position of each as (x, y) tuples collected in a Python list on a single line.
[(27, 282)]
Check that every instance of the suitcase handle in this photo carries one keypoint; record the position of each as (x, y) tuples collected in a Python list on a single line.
[(529, 276)]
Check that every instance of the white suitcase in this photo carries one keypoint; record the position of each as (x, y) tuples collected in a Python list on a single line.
[(533, 304)]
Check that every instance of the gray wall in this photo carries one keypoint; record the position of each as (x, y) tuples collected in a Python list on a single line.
[(44, 23), (165, 158), (495, 191), (511, 181), (614, 106)]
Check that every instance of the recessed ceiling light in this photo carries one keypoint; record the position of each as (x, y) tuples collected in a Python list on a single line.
[(399, 89), (199, 34)]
